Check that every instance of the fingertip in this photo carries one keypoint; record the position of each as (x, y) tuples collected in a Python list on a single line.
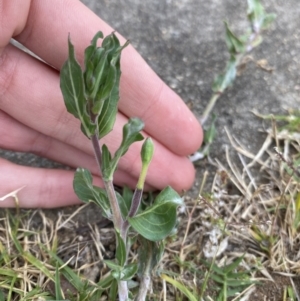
[(175, 171), (190, 137)]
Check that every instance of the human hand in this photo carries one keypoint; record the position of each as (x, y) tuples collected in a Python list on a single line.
[(33, 117)]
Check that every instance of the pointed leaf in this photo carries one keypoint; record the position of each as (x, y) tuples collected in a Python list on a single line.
[(73, 90), (150, 254), (124, 206), (127, 195), (86, 192), (58, 291), (112, 265), (158, 220), (181, 287), (257, 16), (131, 134), (234, 44), (230, 267), (121, 250), (113, 291), (102, 78), (106, 162), (109, 81), (226, 79), (129, 271)]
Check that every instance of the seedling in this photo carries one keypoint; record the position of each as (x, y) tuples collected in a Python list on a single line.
[(92, 96), (238, 48)]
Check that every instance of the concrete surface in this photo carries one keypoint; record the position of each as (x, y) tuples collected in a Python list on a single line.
[(183, 41)]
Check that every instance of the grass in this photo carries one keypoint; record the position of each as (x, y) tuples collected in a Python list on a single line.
[(235, 238)]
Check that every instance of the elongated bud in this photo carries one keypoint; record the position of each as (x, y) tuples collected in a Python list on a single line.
[(146, 154), (147, 151)]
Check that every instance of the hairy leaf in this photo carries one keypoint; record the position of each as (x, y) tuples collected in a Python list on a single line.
[(102, 78), (86, 192), (73, 90), (158, 221)]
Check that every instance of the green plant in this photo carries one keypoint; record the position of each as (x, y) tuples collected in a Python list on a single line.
[(238, 48), (92, 96), (289, 294), (230, 281)]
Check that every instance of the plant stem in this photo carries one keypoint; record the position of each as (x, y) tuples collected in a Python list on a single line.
[(249, 47), (144, 287), (136, 201), (122, 290), (116, 212), (145, 279), (109, 187), (135, 204), (209, 107)]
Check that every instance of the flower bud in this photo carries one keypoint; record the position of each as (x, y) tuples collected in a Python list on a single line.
[(147, 151)]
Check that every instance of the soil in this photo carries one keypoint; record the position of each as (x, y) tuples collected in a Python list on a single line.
[(183, 41)]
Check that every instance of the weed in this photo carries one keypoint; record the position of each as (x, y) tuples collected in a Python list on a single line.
[(92, 96)]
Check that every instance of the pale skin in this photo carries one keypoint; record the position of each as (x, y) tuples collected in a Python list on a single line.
[(33, 117)]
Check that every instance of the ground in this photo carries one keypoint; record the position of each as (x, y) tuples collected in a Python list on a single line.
[(183, 41)]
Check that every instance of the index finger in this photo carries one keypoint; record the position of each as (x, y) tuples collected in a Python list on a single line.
[(143, 94)]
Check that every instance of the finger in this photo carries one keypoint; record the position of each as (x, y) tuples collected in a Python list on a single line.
[(39, 91), (43, 188), (143, 94), (18, 137), (13, 17)]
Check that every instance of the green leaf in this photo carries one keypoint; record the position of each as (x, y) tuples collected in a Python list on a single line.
[(106, 162), (158, 221), (73, 90), (121, 250), (121, 273), (127, 195), (230, 267), (105, 282), (113, 291), (66, 271), (226, 79), (2, 296), (131, 134), (124, 206), (112, 265), (92, 96), (102, 79), (58, 291), (86, 192), (149, 255), (181, 287), (129, 271), (234, 44), (258, 17), (268, 20)]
